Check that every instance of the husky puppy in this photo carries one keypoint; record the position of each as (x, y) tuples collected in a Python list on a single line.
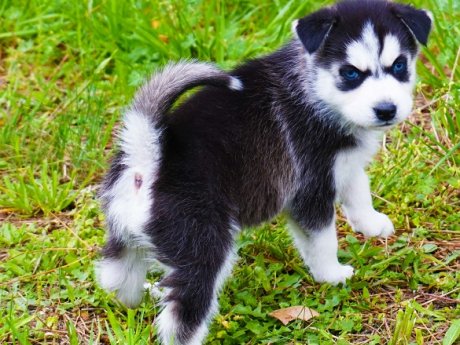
[(290, 131)]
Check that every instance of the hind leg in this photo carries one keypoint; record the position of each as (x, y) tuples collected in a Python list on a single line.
[(123, 270), (191, 290), (191, 302)]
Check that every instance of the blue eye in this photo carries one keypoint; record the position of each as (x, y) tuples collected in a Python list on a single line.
[(350, 74), (399, 67)]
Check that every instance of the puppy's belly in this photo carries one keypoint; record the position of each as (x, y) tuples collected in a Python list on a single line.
[(260, 205)]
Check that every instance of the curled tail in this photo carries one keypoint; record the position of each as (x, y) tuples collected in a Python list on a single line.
[(157, 95)]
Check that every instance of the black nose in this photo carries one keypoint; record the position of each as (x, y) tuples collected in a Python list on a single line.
[(385, 111)]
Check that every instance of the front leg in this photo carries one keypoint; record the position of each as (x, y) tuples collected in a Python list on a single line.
[(318, 249), (356, 201), (312, 225)]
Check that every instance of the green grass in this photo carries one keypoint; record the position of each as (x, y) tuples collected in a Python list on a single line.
[(67, 70)]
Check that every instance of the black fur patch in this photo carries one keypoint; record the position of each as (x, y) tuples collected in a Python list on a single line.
[(114, 173), (113, 248), (313, 29), (417, 21)]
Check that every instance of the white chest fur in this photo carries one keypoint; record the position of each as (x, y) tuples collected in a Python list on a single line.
[(349, 162)]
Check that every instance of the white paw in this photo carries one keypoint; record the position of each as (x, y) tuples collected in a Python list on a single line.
[(154, 290), (373, 224), (333, 274)]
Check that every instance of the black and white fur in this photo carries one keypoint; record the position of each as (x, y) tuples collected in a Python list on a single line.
[(288, 131)]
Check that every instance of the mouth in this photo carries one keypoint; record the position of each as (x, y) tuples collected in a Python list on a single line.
[(385, 124)]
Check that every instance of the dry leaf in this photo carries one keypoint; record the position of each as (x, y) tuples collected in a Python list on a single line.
[(163, 38), (85, 315), (286, 315)]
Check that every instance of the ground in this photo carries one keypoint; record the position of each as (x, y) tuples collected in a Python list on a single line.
[(68, 69)]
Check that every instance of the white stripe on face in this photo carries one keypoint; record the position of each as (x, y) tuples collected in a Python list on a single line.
[(391, 50), (363, 54)]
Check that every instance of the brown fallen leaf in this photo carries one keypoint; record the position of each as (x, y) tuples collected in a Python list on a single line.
[(286, 315), (163, 38)]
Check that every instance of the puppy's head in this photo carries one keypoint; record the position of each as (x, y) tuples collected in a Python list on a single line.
[(362, 54)]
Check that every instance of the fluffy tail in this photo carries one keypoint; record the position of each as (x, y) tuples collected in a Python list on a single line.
[(157, 95)]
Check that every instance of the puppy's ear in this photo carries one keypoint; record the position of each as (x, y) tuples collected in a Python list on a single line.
[(313, 29), (417, 21)]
